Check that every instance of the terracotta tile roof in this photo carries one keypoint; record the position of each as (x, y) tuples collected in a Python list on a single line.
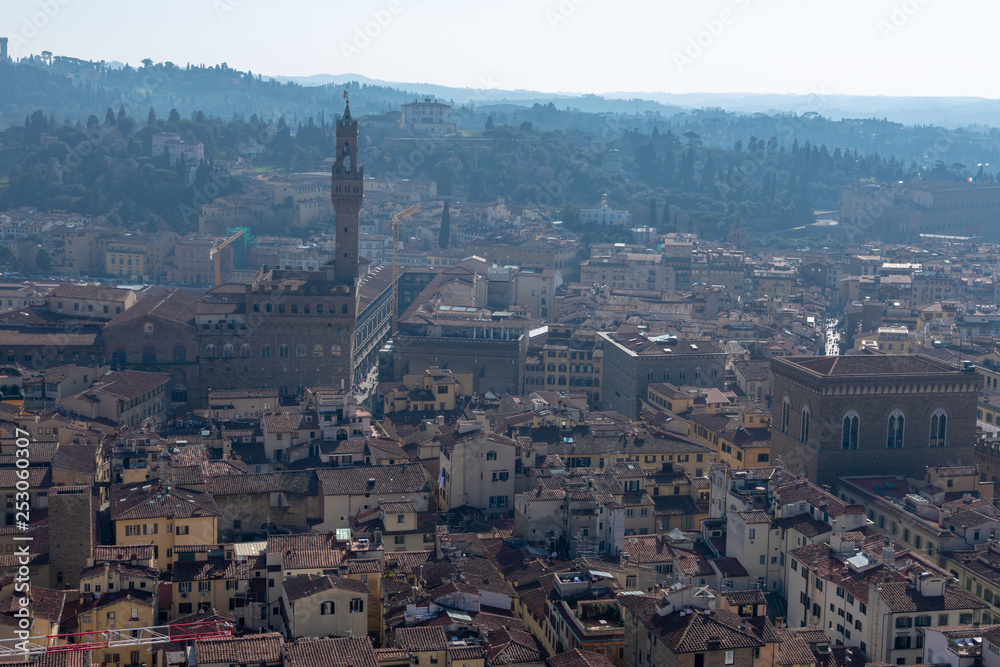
[(241, 393), (899, 597), (692, 632), (302, 482), (805, 524), (364, 566), (466, 653), (793, 649), (400, 507), (393, 654), (384, 448), (108, 553), (176, 305), (46, 603), (215, 567), (578, 658), (484, 575), (802, 491), (128, 385), (741, 598), (246, 649), (865, 365), (74, 458), (94, 292), (512, 647), (648, 549), (130, 502), (183, 475), (421, 639), (251, 453), (333, 652), (130, 595), (358, 480), (307, 551), (407, 561), (755, 517), (729, 567), (675, 506), (286, 422), (37, 478), (753, 371), (119, 568), (60, 659), (306, 585)]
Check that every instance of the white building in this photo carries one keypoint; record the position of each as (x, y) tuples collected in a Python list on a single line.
[(604, 214)]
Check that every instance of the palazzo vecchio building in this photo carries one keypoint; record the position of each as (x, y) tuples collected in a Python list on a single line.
[(286, 330)]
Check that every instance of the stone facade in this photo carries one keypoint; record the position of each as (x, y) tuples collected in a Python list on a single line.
[(69, 553), (158, 335), (286, 326), (495, 364), (631, 363), (348, 194), (832, 415)]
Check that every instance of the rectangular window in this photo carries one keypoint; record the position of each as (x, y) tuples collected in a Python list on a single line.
[(730, 657), (357, 606)]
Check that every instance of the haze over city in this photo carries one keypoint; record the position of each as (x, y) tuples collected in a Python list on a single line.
[(851, 47), (555, 333)]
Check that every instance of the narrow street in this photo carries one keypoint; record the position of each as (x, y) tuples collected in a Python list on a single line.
[(832, 338)]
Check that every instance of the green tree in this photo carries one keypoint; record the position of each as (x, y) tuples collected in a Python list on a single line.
[(151, 118), (444, 236), (489, 122), (43, 260), (174, 116), (570, 214)]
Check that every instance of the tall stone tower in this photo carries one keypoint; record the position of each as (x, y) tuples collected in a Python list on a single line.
[(348, 193), (71, 523)]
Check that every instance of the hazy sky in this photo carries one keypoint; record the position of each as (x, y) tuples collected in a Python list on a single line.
[(872, 47)]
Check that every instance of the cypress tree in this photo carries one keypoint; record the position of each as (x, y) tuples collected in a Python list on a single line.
[(444, 236)]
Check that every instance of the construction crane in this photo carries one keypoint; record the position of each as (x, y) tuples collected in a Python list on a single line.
[(104, 639), (215, 253), (395, 262)]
